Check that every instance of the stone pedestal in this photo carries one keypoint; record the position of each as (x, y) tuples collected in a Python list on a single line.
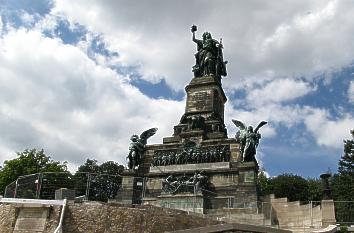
[(328, 213), (64, 193), (31, 219), (184, 201), (205, 94), (131, 189), (206, 99)]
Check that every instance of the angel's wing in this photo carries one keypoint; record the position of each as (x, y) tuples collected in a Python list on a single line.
[(260, 125), (146, 134), (239, 124)]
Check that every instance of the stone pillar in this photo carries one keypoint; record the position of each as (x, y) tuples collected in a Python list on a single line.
[(328, 213), (131, 190), (64, 193)]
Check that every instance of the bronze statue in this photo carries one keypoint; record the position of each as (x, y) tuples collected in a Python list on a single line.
[(209, 56), (137, 148), (249, 139)]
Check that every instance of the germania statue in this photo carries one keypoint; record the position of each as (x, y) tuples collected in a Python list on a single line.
[(209, 57)]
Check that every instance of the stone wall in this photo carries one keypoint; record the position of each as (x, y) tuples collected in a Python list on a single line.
[(99, 217), (7, 218), (9, 212), (103, 217), (302, 218)]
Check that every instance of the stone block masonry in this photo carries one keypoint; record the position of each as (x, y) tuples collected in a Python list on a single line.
[(102, 217)]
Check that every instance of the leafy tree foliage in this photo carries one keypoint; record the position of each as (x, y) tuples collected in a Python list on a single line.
[(294, 187), (263, 184), (346, 163), (291, 186), (343, 183), (28, 162), (103, 181), (315, 190), (90, 165)]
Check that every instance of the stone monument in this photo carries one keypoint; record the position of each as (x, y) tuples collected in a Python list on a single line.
[(199, 168)]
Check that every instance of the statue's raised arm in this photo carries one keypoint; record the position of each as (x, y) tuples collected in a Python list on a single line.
[(193, 30)]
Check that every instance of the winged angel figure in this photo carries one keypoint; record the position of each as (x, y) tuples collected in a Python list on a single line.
[(248, 138), (137, 148)]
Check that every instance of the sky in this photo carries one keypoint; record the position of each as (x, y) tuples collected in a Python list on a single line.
[(78, 78)]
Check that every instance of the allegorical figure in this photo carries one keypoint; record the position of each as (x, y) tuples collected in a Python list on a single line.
[(195, 183), (137, 147), (199, 181), (249, 139), (170, 184), (209, 57)]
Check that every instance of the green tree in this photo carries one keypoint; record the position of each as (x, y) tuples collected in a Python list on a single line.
[(29, 161), (346, 163), (90, 165), (314, 189), (263, 184), (291, 186), (109, 180), (83, 177), (343, 183), (103, 181)]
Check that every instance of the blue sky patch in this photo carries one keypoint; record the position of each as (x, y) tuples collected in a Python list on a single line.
[(41, 7), (157, 90)]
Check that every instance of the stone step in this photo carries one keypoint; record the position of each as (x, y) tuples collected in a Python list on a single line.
[(232, 211)]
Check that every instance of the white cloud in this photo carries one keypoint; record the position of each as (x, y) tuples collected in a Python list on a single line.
[(278, 91), (48, 22), (54, 96), (1, 26), (274, 114), (351, 92), (326, 131), (292, 39), (319, 123), (27, 18)]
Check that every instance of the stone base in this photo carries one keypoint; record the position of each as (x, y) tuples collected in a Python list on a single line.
[(31, 219), (190, 167), (328, 213), (184, 201), (131, 190), (64, 193)]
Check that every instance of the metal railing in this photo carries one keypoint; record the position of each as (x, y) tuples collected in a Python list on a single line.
[(93, 186), (344, 212)]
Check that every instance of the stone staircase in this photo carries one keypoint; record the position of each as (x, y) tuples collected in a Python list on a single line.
[(301, 218), (282, 214), (298, 218), (239, 215)]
